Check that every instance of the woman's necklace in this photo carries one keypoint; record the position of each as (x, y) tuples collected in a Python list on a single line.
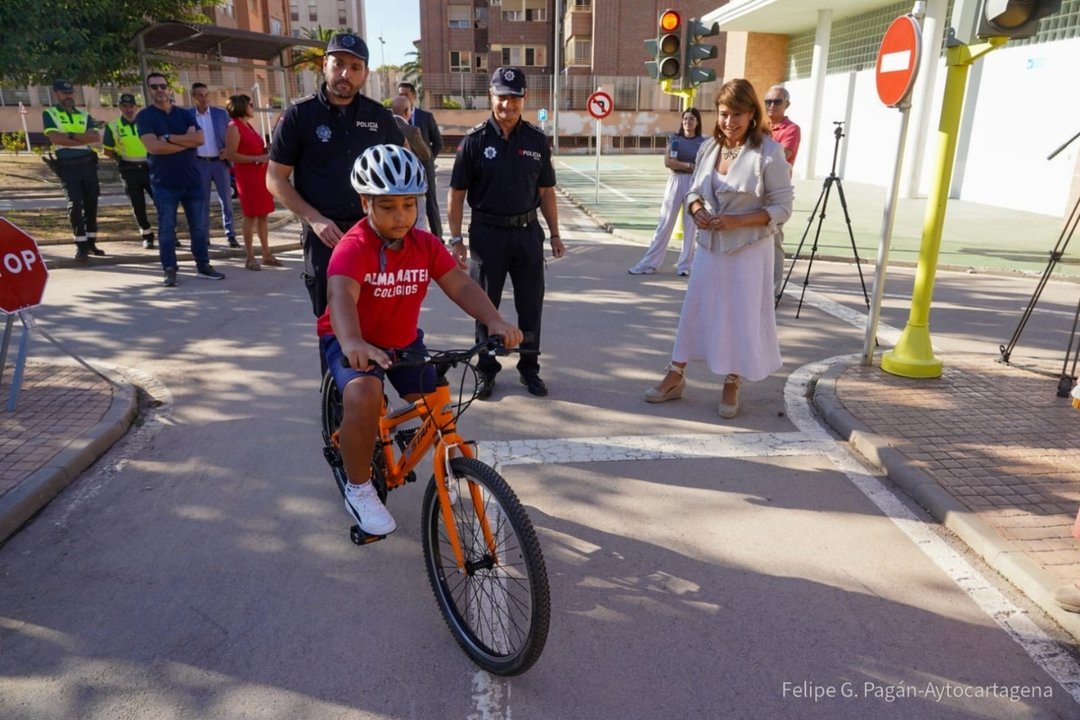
[(727, 153)]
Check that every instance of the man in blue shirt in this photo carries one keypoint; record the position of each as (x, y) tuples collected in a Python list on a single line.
[(171, 135)]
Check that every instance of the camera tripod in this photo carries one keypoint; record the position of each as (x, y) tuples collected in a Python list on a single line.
[(823, 202), (1068, 375)]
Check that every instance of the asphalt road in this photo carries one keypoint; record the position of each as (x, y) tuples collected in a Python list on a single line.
[(699, 568)]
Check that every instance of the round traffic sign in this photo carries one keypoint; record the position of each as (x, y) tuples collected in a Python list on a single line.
[(600, 105), (898, 60), (22, 271)]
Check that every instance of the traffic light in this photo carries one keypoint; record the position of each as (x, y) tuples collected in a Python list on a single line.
[(1013, 18), (665, 49), (697, 51)]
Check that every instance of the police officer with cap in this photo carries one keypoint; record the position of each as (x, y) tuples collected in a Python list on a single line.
[(122, 143), (71, 132), (503, 168), (316, 141)]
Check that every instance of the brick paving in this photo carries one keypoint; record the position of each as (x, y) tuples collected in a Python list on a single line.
[(996, 437), (56, 404)]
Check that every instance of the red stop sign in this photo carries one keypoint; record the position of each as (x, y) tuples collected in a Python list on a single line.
[(22, 271)]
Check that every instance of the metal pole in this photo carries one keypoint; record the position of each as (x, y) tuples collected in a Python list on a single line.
[(555, 79), (913, 355), (20, 359), (8, 324), (887, 219), (597, 201)]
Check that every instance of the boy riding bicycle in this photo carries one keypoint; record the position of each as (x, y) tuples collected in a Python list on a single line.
[(376, 282)]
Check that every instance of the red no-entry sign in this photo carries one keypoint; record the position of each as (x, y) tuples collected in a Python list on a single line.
[(22, 271), (898, 60)]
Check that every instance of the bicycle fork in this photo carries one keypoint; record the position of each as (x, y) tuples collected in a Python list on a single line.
[(445, 452)]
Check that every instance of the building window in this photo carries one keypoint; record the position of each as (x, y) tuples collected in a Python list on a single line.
[(524, 56), (312, 11), (582, 4), (342, 18), (460, 62), (294, 10), (481, 63), (228, 8), (275, 26), (579, 51), (460, 16), (513, 15)]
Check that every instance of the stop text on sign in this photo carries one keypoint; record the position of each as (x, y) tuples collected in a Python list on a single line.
[(15, 263)]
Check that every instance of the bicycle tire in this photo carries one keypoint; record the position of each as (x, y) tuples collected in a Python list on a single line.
[(498, 613), (332, 411)]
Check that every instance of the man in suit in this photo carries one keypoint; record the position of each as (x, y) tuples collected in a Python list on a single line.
[(429, 130), (401, 107), (213, 166)]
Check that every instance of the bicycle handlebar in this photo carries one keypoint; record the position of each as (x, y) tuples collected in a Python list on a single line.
[(493, 345)]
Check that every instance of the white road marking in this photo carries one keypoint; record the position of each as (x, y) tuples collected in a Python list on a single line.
[(592, 178)]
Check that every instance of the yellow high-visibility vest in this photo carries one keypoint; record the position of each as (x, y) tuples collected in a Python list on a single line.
[(125, 141)]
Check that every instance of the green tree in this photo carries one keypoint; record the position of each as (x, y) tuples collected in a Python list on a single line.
[(310, 58), (413, 71), (85, 41)]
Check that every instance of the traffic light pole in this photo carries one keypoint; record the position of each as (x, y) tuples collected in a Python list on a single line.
[(685, 94), (913, 355)]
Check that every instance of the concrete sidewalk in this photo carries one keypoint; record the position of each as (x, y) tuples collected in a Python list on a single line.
[(986, 448)]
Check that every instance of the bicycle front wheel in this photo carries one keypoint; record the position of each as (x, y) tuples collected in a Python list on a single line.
[(498, 607)]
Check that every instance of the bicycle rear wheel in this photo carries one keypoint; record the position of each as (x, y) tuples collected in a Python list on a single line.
[(332, 411), (498, 608)]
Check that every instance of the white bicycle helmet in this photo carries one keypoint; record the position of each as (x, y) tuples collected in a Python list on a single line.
[(388, 170)]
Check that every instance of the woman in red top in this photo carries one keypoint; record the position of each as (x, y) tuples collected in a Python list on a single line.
[(247, 151)]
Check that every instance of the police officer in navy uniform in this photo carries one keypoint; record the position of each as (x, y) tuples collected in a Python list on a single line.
[(71, 132), (317, 140), (503, 168), (121, 142)]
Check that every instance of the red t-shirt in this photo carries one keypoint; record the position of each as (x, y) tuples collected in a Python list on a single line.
[(789, 135), (390, 296)]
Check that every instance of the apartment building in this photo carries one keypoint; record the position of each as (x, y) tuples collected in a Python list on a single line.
[(462, 41)]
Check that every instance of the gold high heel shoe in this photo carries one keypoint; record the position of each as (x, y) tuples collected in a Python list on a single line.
[(729, 411), (653, 395)]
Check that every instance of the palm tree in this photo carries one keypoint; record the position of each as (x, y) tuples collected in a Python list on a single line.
[(413, 71), (311, 58)]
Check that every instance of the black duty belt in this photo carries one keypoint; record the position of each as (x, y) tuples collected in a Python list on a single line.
[(208, 159), (132, 164), (503, 220)]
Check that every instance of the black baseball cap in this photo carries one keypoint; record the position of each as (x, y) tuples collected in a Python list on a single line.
[(127, 99), (508, 81), (63, 86), (348, 43)]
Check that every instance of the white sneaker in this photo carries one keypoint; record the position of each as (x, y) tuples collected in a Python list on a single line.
[(363, 504), (640, 269)]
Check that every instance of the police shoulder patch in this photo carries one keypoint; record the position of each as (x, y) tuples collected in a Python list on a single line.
[(476, 128)]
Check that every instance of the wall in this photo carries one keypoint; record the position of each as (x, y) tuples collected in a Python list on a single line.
[(1025, 109)]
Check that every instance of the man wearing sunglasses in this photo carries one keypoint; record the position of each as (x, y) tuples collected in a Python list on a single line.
[(777, 101), (171, 134)]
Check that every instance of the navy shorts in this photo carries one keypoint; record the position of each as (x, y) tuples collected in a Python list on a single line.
[(406, 380)]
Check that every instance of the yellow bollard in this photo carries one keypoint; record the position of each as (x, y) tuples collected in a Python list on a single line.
[(913, 355)]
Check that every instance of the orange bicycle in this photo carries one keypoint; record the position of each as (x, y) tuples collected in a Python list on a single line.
[(480, 549)]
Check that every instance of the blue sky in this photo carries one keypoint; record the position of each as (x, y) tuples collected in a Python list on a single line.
[(398, 22)]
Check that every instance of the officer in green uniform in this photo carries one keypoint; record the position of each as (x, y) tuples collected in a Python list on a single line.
[(71, 132), (122, 143)]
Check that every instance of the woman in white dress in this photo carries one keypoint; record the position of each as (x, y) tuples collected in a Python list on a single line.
[(740, 192)]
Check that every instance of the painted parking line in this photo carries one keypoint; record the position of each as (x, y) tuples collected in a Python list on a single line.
[(592, 178)]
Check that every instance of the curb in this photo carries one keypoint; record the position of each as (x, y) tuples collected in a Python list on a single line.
[(32, 494), (999, 553), (151, 257)]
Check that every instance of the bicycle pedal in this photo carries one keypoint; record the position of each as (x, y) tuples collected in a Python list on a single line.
[(332, 456), (359, 537)]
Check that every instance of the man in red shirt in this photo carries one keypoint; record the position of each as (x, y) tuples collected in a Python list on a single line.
[(788, 134)]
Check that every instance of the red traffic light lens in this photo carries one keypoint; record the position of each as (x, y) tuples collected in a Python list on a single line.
[(670, 21)]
